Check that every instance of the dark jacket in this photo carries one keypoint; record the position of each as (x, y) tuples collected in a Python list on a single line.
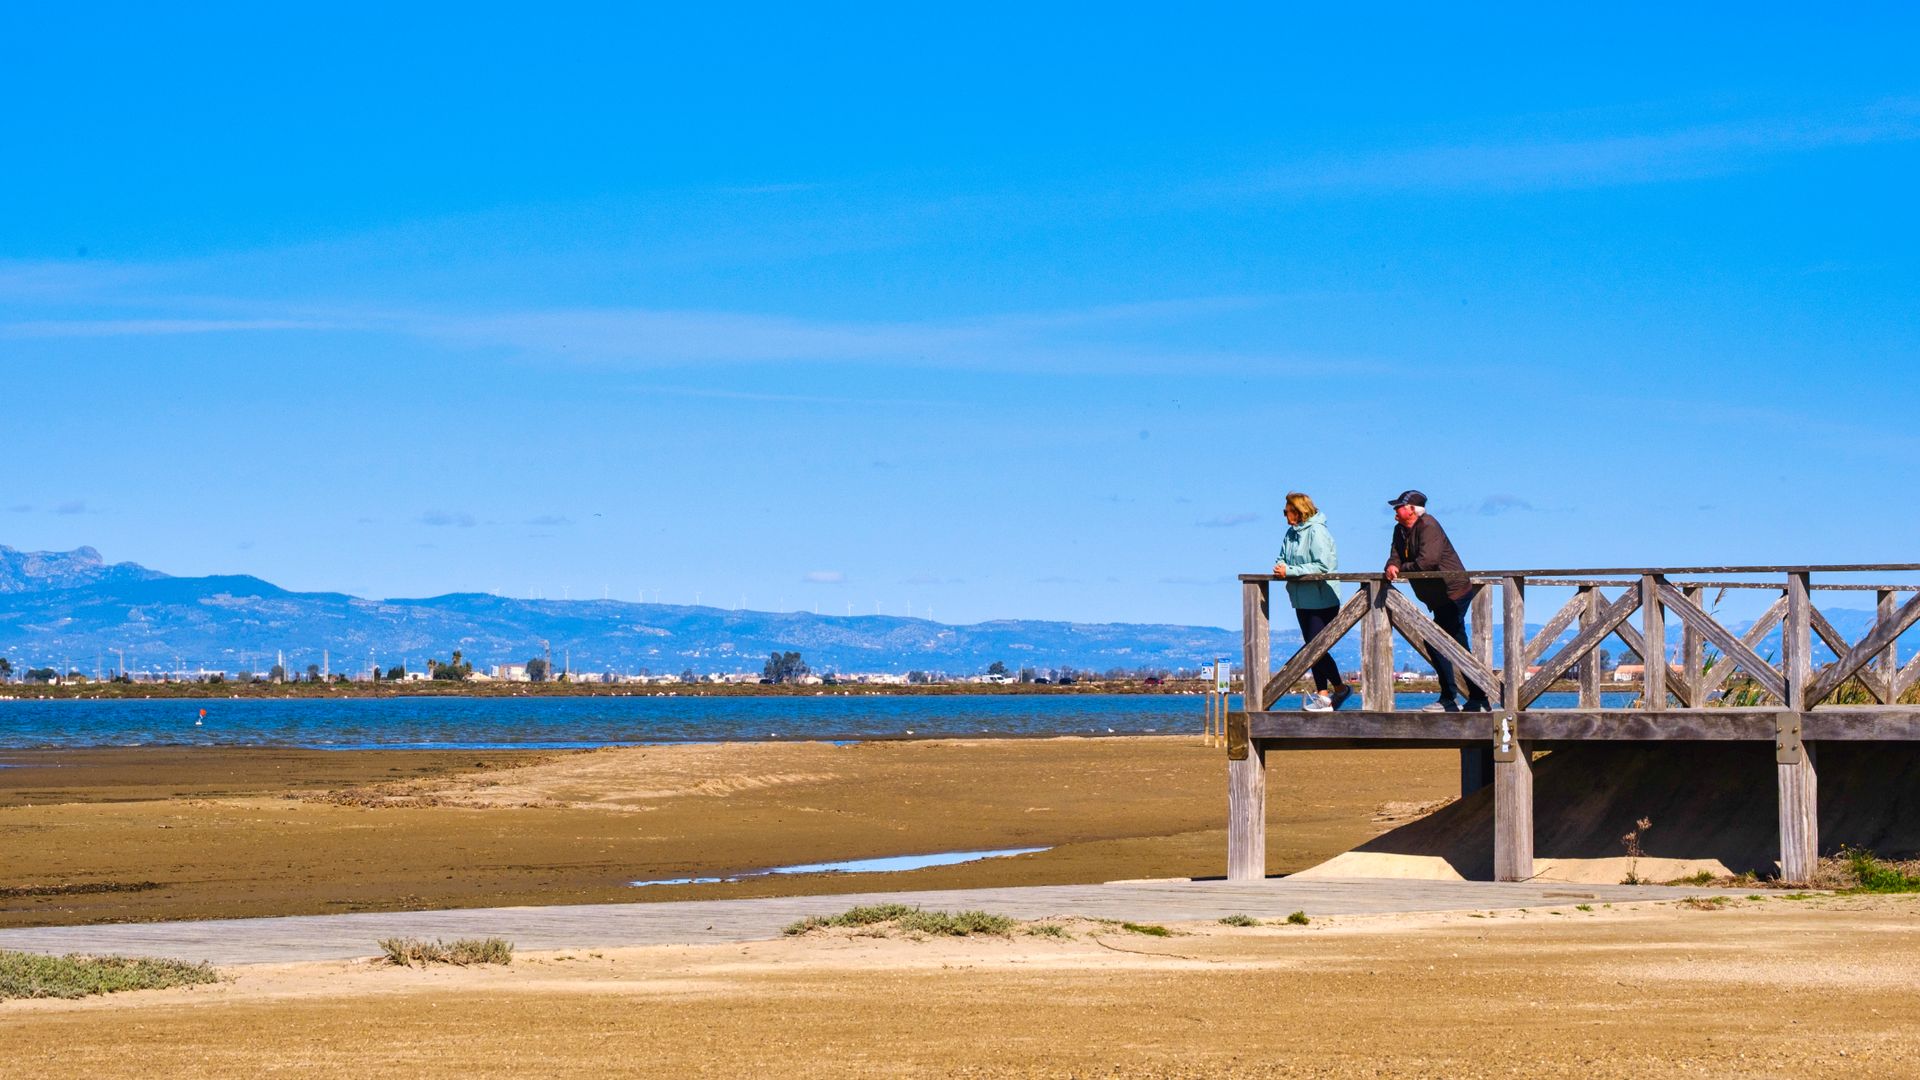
[(1426, 547)]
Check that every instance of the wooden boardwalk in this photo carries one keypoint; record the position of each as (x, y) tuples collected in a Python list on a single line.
[(1716, 688), (700, 922)]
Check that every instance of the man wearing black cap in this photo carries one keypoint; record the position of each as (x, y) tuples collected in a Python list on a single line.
[(1419, 543)]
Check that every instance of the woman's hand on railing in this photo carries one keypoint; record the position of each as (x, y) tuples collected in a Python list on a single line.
[(1279, 569)]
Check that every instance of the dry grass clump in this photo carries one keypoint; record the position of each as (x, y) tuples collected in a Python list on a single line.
[(911, 920), (407, 952), (28, 975)]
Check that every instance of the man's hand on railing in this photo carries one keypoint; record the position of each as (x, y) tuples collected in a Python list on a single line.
[(1279, 569), (1393, 572)]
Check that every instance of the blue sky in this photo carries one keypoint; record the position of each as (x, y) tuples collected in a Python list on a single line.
[(977, 311)]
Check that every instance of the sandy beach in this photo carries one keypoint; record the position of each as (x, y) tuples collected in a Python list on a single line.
[(137, 834), (1774, 986)]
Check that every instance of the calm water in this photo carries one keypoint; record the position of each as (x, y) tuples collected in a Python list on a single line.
[(563, 723)]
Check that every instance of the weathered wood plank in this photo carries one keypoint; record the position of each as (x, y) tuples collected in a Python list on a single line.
[(1692, 643), (1887, 664), (1608, 571), (1716, 675), (1513, 813), (1861, 723), (1732, 649), (1483, 624), (1676, 682), (1555, 627), (1387, 727), (1796, 645), (1296, 666), (1413, 623), (1593, 604), (1376, 650), (1635, 725), (1829, 634), (1572, 725), (1909, 674), (1612, 617), (1877, 639), (1513, 662), (1799, 806), (1247, 776), (1653, 632)]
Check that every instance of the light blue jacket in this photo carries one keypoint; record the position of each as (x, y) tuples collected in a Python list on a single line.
[(1308, 549)]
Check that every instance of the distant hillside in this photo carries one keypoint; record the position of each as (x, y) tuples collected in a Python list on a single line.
[(71, 607), (74, 608)]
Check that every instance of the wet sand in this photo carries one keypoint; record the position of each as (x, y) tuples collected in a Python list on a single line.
[(139, 834), (1820, 987)]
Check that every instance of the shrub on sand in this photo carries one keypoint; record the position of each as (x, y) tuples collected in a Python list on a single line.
[(409, 951), (28, 975), (911, 920)]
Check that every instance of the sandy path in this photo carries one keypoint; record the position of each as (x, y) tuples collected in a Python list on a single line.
[(1770, 987), (211, 833)]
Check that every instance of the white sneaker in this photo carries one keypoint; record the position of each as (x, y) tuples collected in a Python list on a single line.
[(1317, 703)]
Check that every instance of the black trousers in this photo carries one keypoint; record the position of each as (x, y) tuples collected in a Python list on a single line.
[(1326, 673), (1451, 615)]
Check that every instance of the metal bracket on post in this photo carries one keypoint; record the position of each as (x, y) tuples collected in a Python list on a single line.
[(1237, 741), (1506, 737), (1787, 747)]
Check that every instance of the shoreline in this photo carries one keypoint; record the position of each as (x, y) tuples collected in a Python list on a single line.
[(111, 691), (145, 834)]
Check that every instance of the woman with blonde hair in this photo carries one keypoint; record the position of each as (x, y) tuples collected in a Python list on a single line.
[(1308, 549)]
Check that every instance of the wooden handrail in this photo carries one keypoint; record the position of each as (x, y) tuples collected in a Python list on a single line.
[(1794, 682)]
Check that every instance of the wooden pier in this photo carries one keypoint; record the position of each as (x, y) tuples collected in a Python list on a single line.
[(1785, 703)]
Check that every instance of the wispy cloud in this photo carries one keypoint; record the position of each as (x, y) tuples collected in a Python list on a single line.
[(1602, 160), (1228, 521), (445, 519), (824, 577), (1103, 338), (20, 508), (72, 506), (1504, 504), (55, 328), (549, 519)]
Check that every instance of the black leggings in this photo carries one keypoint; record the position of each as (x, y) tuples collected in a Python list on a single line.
[(1326, 673)]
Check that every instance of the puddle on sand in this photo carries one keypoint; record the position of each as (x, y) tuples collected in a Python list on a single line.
[(891, 864)]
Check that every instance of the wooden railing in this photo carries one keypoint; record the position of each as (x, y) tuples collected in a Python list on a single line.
[(1786, 702)]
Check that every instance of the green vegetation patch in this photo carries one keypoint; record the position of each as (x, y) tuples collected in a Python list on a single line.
[(1298, 918), (911, 920), (407, 952), (1871, 875), (1240, 920), (28, 975), (1149, 929)]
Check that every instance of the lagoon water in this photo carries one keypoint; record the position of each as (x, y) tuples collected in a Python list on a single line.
[(580, 722)]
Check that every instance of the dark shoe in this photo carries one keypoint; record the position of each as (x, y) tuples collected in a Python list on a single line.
[(1443, 705), (1339, 696), (1479, 705)]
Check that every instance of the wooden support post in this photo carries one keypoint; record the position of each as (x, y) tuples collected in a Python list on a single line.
[(1247, 772), (1376, 650), (1798, 784), (1693, 647), (1889, 661), (1512, 764), (1590, 672), (1483, 625), (1653, 639), (1476, 762)]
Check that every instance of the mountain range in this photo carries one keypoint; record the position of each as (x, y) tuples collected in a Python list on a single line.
[(73, 608)]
